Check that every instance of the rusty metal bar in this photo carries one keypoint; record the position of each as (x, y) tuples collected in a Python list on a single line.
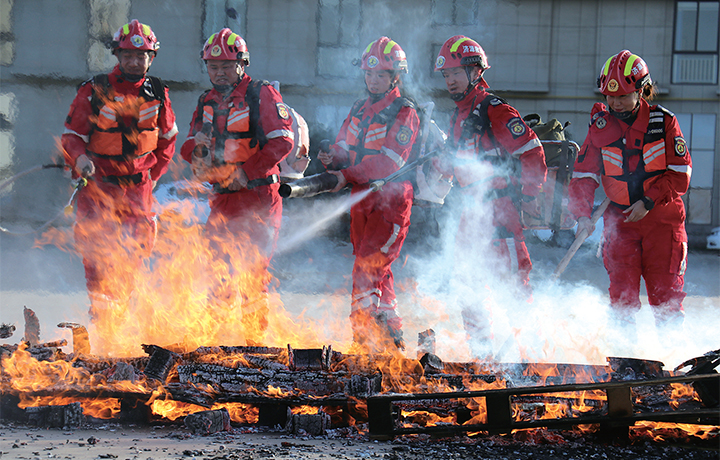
[(499, 412)]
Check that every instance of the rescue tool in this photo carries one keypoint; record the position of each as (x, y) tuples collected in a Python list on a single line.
[(580, 239)]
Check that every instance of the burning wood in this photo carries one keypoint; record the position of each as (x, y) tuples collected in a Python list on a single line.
[(312, 390)]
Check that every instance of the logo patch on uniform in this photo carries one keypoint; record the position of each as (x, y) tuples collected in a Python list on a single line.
[(680, 147), (216, 51), (440, 62), (373, 61), (516, 127), (282, 111), (404, 135), (613, 85), (601, 123), (495, 101), (137, 41)]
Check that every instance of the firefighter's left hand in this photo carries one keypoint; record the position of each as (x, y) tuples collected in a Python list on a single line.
[(238, 180), (635, 212), (342, 182)]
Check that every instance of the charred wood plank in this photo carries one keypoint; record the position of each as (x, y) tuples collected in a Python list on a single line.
[(81, 339), (310, 359), (6, 330), (208, 422), (160, 363), (67, 416), (312, 424), (32, 327)]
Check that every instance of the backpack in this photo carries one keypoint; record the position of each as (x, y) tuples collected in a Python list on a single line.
[(293, 166), (560, 154), (430, 186)]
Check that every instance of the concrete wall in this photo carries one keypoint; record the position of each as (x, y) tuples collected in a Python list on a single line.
[(545, 56)]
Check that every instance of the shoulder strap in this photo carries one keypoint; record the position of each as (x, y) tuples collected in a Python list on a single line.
[(155, 89), (252, 98), (200, 108), (100, 84)]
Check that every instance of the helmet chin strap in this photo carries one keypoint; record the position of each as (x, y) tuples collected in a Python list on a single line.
[(131, 77), (471, 85), (627, 114)]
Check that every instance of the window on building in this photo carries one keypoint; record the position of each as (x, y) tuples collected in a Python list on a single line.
[(695, 47)]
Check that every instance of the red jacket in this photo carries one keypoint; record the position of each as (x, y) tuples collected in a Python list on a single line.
[(388, 146), (80, 127), (275, 121), (663, 165), (508, 136)]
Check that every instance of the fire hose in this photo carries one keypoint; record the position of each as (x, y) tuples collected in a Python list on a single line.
[(580, 239), (324, 182)]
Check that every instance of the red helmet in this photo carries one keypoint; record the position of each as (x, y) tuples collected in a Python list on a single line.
[(384, 54), (460, 51), (623, 74), (135, 36), (226, 45)]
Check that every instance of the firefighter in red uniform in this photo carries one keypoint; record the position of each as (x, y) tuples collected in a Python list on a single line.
[(638, 153), (120, 133), (239, 132), (374, 141), (498, 162)]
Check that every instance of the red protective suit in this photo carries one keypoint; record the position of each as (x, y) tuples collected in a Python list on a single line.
[(375, 147), (244, 225), (115, 227), (648, 158), (499, 158)]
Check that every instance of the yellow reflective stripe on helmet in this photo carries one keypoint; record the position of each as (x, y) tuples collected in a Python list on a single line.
[(389, 46), (367, 50), (456, 45), (606, 67), (629, 64), (126, 29), (210, 40), (232, 38), (146, 30)]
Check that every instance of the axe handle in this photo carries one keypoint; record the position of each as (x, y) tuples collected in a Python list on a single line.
[(580, 239)]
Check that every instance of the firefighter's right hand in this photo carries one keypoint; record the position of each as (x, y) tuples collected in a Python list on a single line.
[(200, 170), (84, 166), (584, 223), (325, 158), (202, 139)]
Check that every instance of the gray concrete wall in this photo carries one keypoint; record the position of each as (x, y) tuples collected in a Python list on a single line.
[(545, 56)]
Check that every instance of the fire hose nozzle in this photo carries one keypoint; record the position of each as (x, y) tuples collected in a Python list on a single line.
[(70, 207), (309, 186), (377, 185)]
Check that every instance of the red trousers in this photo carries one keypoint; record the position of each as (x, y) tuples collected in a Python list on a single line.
[(379, 225), (653, 249), (115, 229), (242, 230)]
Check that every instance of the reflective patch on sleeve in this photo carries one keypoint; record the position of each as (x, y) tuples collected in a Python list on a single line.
[(404, 135), (516, 126), (680, 146), (282, 111)]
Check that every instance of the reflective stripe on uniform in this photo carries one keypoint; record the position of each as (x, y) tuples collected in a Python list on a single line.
[(391, 240), (376, 134), (612, 157), (343, 145), (85, 138), (654, 152), (687, 169), (582, 175), (281, 133), (171, 133), (529, 145), (393, 156)]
